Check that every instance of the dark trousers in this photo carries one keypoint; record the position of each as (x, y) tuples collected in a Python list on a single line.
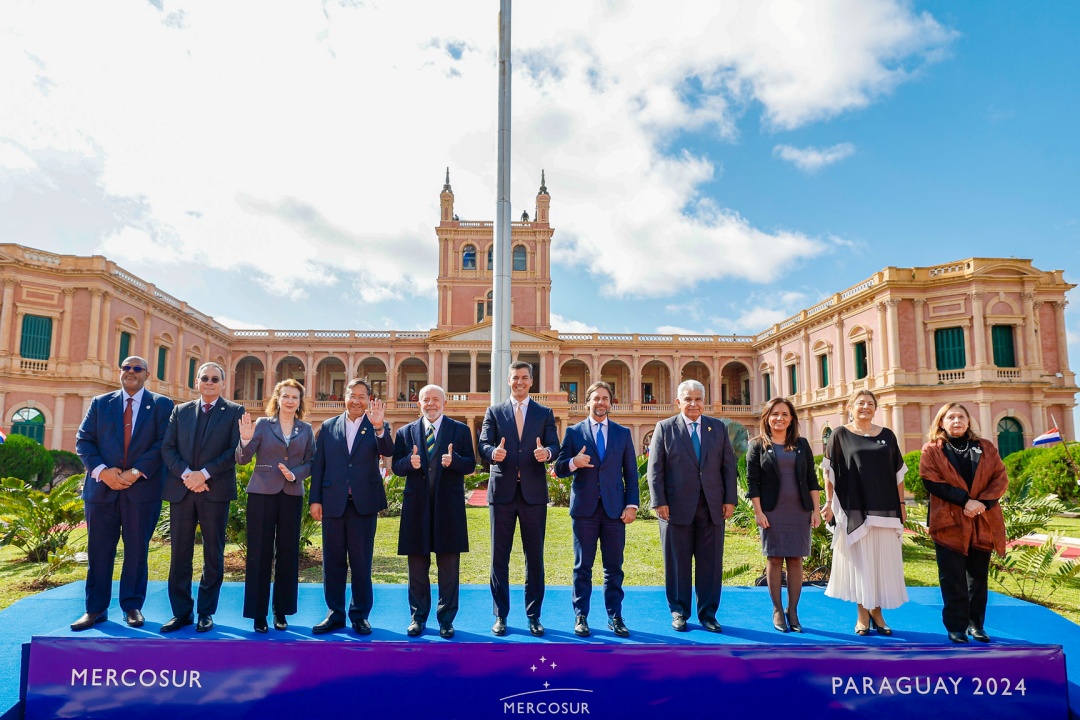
[(106, 523), (611, 534), (348, 541), (533, 521), (211, 516), (273, 537), (700, 542), (963, 582), (449, 571)]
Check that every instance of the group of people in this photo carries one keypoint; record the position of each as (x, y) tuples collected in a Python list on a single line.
[(864, 472), (140, 449)]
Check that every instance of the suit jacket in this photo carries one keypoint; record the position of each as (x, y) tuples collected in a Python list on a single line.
[(434, 524), (763, 475), (335, 472), (613, 480), (499, 423), (676, 474), (268, 444), (100, 441), (217, 453)]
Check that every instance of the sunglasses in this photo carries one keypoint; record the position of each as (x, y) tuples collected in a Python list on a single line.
[(133, 368), (208, 379)]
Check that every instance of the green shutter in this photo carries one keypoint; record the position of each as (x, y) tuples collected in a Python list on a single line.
[(162, 356), (1004, 350), (949, 348), (792, 381), (860, 361), (1010, 436), (824, 361), (767, 382), (125, 347), (36, 337), (191, 373)]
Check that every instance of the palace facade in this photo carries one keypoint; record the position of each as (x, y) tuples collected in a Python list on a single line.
[(989, 332)]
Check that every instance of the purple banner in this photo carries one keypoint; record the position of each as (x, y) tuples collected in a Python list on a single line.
[(162, 679)]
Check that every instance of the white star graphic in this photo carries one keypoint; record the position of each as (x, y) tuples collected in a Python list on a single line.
[(543, 659), (547, 684), (553, 665), (533, 668)]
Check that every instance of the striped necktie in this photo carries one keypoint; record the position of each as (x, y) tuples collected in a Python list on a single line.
[(429, 441)]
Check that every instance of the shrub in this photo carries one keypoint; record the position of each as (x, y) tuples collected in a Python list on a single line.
[(65, 464), (26, 459), (645, 508), (1053, 471), (912, 480), (236, 528), (36, 522), (478, 478), (559, 489), (395, 494)]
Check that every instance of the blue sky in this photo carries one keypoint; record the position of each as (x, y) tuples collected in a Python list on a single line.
[(711, 169)]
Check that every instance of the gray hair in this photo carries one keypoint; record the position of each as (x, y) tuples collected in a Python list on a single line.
[(687, 386), (431, 387)]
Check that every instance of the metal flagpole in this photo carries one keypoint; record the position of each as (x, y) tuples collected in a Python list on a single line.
[(500, 321)]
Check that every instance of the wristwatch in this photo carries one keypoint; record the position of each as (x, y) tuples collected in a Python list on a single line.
[(135, 473)]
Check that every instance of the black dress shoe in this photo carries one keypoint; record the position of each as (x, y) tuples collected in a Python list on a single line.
[(617, 626), (979, 634), (711, 625), (678, 622), (958, 637), (134, 618), (175, 624), (795, 626), (89, 620), (205, 624), (361, 626), (328, 625), (581, 627), (781, 626), (261, 626), (535, 627), (416, 628), (499, 628), (446, 630), (280, 623)]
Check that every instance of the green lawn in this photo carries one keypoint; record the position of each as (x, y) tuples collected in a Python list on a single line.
[(643, 564)]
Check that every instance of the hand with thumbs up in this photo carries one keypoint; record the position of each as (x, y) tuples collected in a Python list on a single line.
[(582, 460), (449, 456), (499, 453), (415, 458), (541, 452)]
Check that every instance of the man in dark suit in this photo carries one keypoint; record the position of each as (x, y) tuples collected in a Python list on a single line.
[(692, 482), (200, 454), (347, 494), (119, 442), (599, 454), (433, 454), (518, 437)]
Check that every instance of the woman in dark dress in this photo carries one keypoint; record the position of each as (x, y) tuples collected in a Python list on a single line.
[(965, 478), (783, 487)]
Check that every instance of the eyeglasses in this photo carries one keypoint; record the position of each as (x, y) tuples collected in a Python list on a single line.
[(208, 379), (133, 368)]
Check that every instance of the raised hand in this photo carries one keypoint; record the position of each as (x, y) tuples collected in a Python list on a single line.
[(449, 456), (582, 460), (376, 413), (499, 453), (540, 453), (415, 458), (247, 428)]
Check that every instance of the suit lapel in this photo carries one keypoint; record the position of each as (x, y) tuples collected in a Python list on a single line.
[(192, 424), (360, 431), (684, 431), (590, 441), (276, 428), (216, 414)]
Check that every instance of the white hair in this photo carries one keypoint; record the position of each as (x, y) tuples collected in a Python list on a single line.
[(687, 386), (431, 387)]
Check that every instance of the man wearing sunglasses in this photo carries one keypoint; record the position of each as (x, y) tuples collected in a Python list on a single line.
[(119, 442), (199, 450)]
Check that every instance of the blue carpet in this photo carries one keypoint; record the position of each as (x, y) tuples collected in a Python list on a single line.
[(745, 614)]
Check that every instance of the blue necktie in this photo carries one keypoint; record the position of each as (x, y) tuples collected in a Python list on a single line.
[(695, 439), (601, 446)]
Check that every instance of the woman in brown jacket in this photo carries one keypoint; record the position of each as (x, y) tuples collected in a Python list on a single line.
[(965, 478)]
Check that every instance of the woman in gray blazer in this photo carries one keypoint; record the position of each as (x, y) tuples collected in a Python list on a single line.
[(284, 446)]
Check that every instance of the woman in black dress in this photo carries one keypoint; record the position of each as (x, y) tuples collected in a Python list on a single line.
[(783, 487)]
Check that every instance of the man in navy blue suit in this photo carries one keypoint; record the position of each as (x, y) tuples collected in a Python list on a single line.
[(119, 442), (518, 437), (599, 454), (347, 494)]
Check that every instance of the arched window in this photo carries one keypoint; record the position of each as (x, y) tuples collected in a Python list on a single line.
[(468, 257), (491, 257), (29, 422), (1010, 436), (489, 302), (521, 262)]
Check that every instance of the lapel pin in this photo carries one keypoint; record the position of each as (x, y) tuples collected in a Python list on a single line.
[(710, 428), (363, 432)]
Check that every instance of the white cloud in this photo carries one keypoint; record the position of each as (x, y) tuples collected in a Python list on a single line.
[(676, 330), (812, 159), (234, 324), (306, 145), (566, 325)]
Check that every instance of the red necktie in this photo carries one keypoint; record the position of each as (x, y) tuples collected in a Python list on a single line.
[(127, 429)]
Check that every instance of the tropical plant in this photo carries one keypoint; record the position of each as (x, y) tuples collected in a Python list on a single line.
[(236, 528), (36, 522), (645, 508), (26, 459), (395, 494), (913, 483), (737, 434), (559, 489)]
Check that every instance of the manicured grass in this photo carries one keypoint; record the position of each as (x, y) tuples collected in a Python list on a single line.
[(643, 561)]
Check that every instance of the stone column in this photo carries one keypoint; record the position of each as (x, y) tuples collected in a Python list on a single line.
[(898, 426), (986, 421), (444, 370), (1038, 426), (106, 333), (1027, 357), (920, 333), (309, 375), (3, 404), (924, 417), (92, 352), (883, 328), (1062, 338), (148, 318), (182, 360), (6, 313), (1068, 432), (391, 377), (978, 328), (840, 380), (807, 361), (894, 334), (472, 370), (269, 374), (58, 423), (65, 325)]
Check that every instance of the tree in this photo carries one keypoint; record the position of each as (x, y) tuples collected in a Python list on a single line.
[(26, 459)]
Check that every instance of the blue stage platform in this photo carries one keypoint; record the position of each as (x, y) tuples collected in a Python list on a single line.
[(1018, 629)]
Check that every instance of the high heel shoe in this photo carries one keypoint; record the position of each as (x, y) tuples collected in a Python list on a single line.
[(795, 626), (780, 627), (862, 629), (882, 629)]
